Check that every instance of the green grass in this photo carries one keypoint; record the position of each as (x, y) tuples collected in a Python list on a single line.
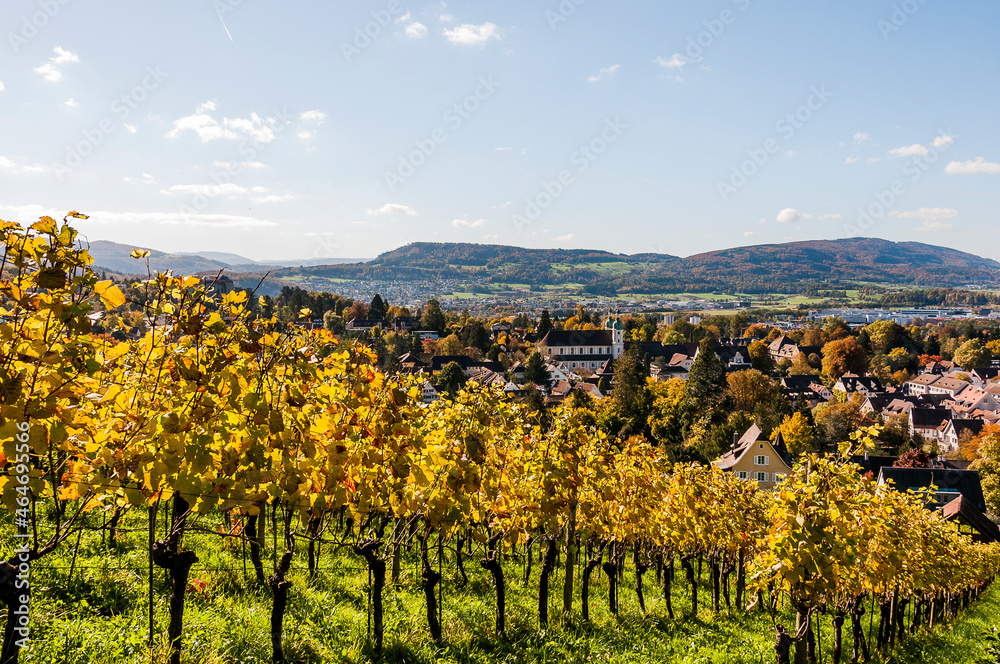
[(99, 615)]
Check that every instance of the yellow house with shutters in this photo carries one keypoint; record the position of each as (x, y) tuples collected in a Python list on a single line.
[(756, 459)]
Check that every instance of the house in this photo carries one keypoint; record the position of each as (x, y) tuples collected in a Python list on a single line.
[(929, 422), (585, 349), (517, 371), (561, 389), (429, 393), (874, 404), (972, 399), (850, 383), (404, 323), (806, 389), (956, 430), (754, 458), (920, 384), (948, 484), (971, 520), (364, 324), (590, 389), (783, 348), (736, 358)]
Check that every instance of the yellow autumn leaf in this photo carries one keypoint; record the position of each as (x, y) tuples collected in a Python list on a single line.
[(110, 295)]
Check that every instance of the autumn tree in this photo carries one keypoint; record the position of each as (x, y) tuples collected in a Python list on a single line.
[(750, 388), (844, 356), (760, 356), (972, 355), (800, 437)]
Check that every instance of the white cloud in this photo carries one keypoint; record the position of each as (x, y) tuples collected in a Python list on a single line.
[(462, 223), (273, 198), (564, 238), (446, 18), (51, 71), (942, 141), (976, 166), (934, 227), (139, 219), (317, 117), (259, 190), (70, 104), (304, 134), (2, 88), (208, 128), (230, 166), (860, 137), (402, 19), (473, 35), (491, 236), (926, 214), (394, 208), (130, 128), (63, 56), (792, 216), (676, 61), (604, 71), (748, 233), (11, 166), (915, 150), (851, 159), (208, 190), (149, 179), (416, 30)]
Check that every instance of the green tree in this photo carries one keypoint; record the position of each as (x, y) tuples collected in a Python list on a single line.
[(378, 309), (451, 378), (536, 372), (760, 357), (450, 345), (629, 395), (433, 318), (544, 325), (707, 377)]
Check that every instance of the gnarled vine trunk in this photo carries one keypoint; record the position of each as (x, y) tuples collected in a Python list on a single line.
[(548, 563), (491, 563), (368, 549), (167, 554)]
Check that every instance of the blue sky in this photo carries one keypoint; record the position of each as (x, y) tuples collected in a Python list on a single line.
[(283, 131)]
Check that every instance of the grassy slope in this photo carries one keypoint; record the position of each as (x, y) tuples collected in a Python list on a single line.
[(100, 616)]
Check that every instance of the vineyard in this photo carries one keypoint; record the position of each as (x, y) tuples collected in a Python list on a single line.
[(215, 459)]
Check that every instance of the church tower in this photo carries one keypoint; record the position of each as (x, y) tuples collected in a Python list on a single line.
[(614, 326)]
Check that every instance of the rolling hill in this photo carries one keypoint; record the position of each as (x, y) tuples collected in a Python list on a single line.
[(794, 267)]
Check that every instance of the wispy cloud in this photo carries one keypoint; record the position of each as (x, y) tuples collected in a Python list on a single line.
[(977, 166), (70, 104), (208, 190), (473, 35), (207, 128), (851, 160), (272, 198), (51, 71), (462, 223), (926, 214), (416, 30), (676, 61), (915, 150), (394, 209), (861, 137), (315, 117), (604, 71), (564, 238), (934, 227)]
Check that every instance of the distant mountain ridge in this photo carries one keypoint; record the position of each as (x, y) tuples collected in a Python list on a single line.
[(768, 268)]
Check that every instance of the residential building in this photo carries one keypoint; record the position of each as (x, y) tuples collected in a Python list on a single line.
[(756, 459)]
